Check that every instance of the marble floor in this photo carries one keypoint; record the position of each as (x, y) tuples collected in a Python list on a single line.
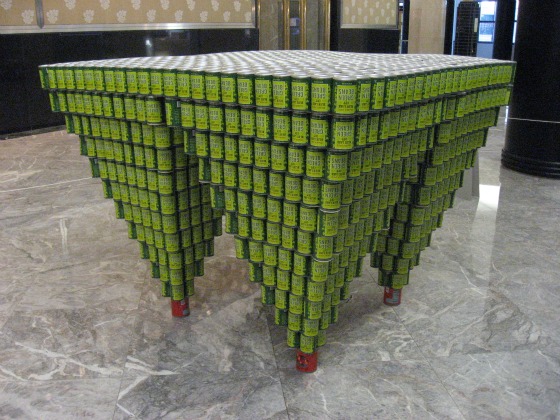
[(84, 333)]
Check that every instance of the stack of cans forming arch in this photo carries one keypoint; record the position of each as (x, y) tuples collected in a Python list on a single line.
[(316, 159)]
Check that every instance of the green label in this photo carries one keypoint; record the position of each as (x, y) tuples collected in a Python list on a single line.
[(156, 82), (300, 129), (263, 91), (280, 93), (331, 196), (229, 89), (318, 132), (320, 96), (315, 163), (216, 118), (232, 120), (197, 86), (279, 157), (343, 134), (300, 95), (296, 160), (212, 87), (262, 154), (337, 166), (245, 90), (344, 98), (248, 125), (281, 127), (184, 85)]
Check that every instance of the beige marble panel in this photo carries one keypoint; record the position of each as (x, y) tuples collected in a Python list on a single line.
[(427, 26), (17, 13), (270, 25), (73, 12)]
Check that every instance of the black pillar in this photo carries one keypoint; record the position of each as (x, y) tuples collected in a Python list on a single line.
[(449, 19), (503, 30), (405, 26), (533, 128)]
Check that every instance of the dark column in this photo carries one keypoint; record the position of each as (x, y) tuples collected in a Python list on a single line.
[(503, 30), (405, 26), (533, 129), (449, 19)]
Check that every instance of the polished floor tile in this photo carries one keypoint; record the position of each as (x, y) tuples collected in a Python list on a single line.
[(84, 332)]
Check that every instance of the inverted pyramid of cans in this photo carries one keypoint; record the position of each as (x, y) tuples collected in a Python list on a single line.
[(317, 158)]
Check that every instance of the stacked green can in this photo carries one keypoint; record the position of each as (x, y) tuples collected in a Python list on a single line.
[(316, 158), (143, 167)]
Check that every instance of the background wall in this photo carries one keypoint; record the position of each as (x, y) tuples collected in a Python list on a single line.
[(25, 105), (427, 26)]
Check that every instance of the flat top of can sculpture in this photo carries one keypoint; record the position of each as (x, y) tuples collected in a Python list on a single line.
[(312, 63)]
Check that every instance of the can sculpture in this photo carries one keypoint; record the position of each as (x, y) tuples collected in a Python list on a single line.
[(315, 159)]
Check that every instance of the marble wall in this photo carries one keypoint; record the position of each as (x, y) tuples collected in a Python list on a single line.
[(270, 25), (427, 26)]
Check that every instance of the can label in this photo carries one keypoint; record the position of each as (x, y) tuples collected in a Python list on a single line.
[(300, 264), (184, 84), (319, 133), (323, 247), (197, 85), (263, 122), (294, 321), (281, 92), (296, 160), (364, 95), (292, 188), (260, 181), (216, 118), (343, 132), (290, 214), (229, 88), (337, 166), (262, 154), (274, 210), (284, 259), (297, 286), (231, 152), (212, 86), (300, 128), (288, 237), (257, 229), (246, 155), (355, 164), (248, 123), (320, 95), (276, 184), (273, 234), (263, 91), (216, 146), (331, 195), (300, 94), (344, 97), (187, 114), (245, 178), (279, 157), (315, 163), (304, 242), (328, 223), (308, 218), (282, 126), (201, 116), (311, 192), (246, 89), (232, 119)]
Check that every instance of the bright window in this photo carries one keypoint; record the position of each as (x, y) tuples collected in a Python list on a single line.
[(487, 21)]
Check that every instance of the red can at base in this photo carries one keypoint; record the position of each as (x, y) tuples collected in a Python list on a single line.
[(392, 297), (180, 308), (306, 362)]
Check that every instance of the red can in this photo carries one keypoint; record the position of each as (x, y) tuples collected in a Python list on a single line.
[(306, 362), (392, 297), (180, 308)]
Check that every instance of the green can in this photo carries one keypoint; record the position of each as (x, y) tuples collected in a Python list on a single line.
[(315, 162), (337, 166), (311, 191), (290, 214), (281, 94), (323, 247), (201, 118), (296, 303), (308, 218), (345, 95), (248, 123), (301, 264), (260, 181), (246, 87), (184, 83), (276, 184), (343, 130), (261, 154), (228, 84), (273, 233), (289, 237), (263, 123), (198, 86), (292, 188), (285, 259), (187, 114), (256, 251), (319, 130), (304, 242), (263, 89), (294, 321), (274, 210), (300, 92), (279, 157), (212, 85), (170, 83), (321, 98), (156, 81), (282, 125), (216, 119), (231, 149), (161, 137), (293, 340), (245, 177), (232, 116), (143, 80), (327, 223), (331, 195), (297, 286), (296, 160), (283, 279), (230, 175), (300, 128)]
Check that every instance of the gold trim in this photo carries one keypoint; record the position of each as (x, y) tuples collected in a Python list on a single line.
[(303, 23), (327, 25), (286, 12)]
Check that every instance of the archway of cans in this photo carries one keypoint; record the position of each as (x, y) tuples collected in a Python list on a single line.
[(315, 158)]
